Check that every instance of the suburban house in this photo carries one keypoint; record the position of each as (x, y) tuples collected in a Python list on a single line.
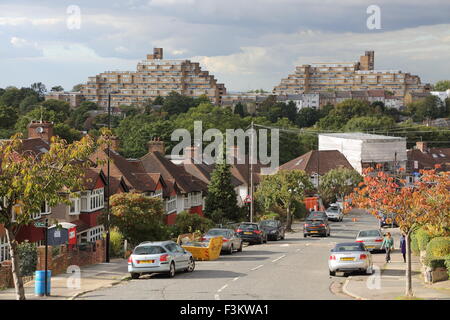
[(425, 158), (317, 163)]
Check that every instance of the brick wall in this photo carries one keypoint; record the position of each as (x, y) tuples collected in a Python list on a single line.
[(93, 254)]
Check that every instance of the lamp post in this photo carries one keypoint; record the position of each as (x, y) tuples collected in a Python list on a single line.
[(108, 190)]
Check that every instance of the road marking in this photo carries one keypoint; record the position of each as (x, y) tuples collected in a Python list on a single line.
[(307, 244), (256, 268), (279, 258), (284, 245), (220, 290), (297, 250), (235, 279), (216, 297)]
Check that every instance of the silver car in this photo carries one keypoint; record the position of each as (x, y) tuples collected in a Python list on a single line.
[(349, 257), (159, 257), (230, 239), (372, 239), (334, 212)]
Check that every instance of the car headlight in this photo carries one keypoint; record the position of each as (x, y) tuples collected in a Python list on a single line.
[(273, 231)]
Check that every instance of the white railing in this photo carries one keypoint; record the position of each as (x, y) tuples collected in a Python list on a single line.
[(4, 249)]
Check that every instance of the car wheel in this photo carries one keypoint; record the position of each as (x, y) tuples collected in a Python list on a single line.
[(240, 248), (230, 251), (332, 273), (135, 275), (305, 235), (191, 265), (265, 239), (171, 273), (282, 237)]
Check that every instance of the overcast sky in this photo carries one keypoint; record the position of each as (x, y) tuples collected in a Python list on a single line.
[(246, 44)]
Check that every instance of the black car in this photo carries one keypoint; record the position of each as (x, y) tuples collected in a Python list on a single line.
[(317, 215), (274, 229), (387, 220), (252, 233), (316, 226)]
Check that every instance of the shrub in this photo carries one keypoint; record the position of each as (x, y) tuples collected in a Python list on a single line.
[(190, 222), (414, 244), (438, 247), (116, 243), (434, 262), (447, 264), (269, 216), (299, 210), (28, 257), (423, 237)]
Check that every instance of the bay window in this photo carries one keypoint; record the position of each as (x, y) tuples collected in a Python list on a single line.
[(92, 200)]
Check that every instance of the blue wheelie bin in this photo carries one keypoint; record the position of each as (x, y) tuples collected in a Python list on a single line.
[(39, 282)]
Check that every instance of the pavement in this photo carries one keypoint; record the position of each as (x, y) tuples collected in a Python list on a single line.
[(71, 285), (389, 283)]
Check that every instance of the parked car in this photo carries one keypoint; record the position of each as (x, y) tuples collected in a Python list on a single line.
[(159, 257), (350, 257), (334, 212), (252, 233), (316, 226), (230, 239), (387, 220), (274, 228), (317, 215), (372, 239)]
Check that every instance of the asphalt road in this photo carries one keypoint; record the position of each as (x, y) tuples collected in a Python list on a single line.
[(290, 269)]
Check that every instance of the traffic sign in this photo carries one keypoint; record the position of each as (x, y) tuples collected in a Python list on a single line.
[(248, 199), (39, 224)]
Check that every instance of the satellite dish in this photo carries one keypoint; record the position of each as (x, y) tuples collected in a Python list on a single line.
[(39, 130)]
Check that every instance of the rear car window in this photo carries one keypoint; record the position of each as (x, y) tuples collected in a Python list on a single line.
[(269, 223), (218, 232), (369, 233), (248, 227), (348, 247), (148, 250)]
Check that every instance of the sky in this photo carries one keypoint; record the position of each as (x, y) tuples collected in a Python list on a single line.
[(245, 44)]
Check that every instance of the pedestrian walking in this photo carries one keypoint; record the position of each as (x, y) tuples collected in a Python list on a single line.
[(388, 245), (403, 246)]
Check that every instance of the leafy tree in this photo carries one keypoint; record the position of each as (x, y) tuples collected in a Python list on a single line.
[(425, 108), (66, 132), (62, 108), (239, 109), (8, 116), (338, 183), (221, 200), (77, 87), (283, 189), (57, 89), (442, 85), (139, 218), (191, 222), (427, 202), (129, 110), (26, 182), (39, 88), (79, 115), (369, 123), (29, 103), (307, 117), (289, 111), (159, 101), (175, 103)]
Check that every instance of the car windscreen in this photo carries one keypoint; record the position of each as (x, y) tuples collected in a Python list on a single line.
[(248, 227), (348, 247), (369, 233), (333, 209), (217, 232), (148, 250), (269, 223)]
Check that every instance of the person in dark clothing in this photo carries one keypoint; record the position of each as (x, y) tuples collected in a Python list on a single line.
[(403, 246)]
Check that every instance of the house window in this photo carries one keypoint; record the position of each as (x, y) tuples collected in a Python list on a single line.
[(187, 201), (157, 194), (196, 199), (171, 204), (95, 234), (45, 209), (92, 200), (4, 249), (75, 206)]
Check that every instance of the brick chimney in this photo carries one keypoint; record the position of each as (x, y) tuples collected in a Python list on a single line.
[(422, 146), (40, 129), (156, 145)]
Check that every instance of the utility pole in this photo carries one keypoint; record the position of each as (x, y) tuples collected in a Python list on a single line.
[(108, 182), (46, 259), (251, 174)]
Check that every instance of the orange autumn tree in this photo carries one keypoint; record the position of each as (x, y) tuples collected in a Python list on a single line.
[(425, 202)]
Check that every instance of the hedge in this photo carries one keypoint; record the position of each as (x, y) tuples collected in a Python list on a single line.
[(447, 264), (434, 262), (414, 244), (423, 237), (28, 257), (438, 247)]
